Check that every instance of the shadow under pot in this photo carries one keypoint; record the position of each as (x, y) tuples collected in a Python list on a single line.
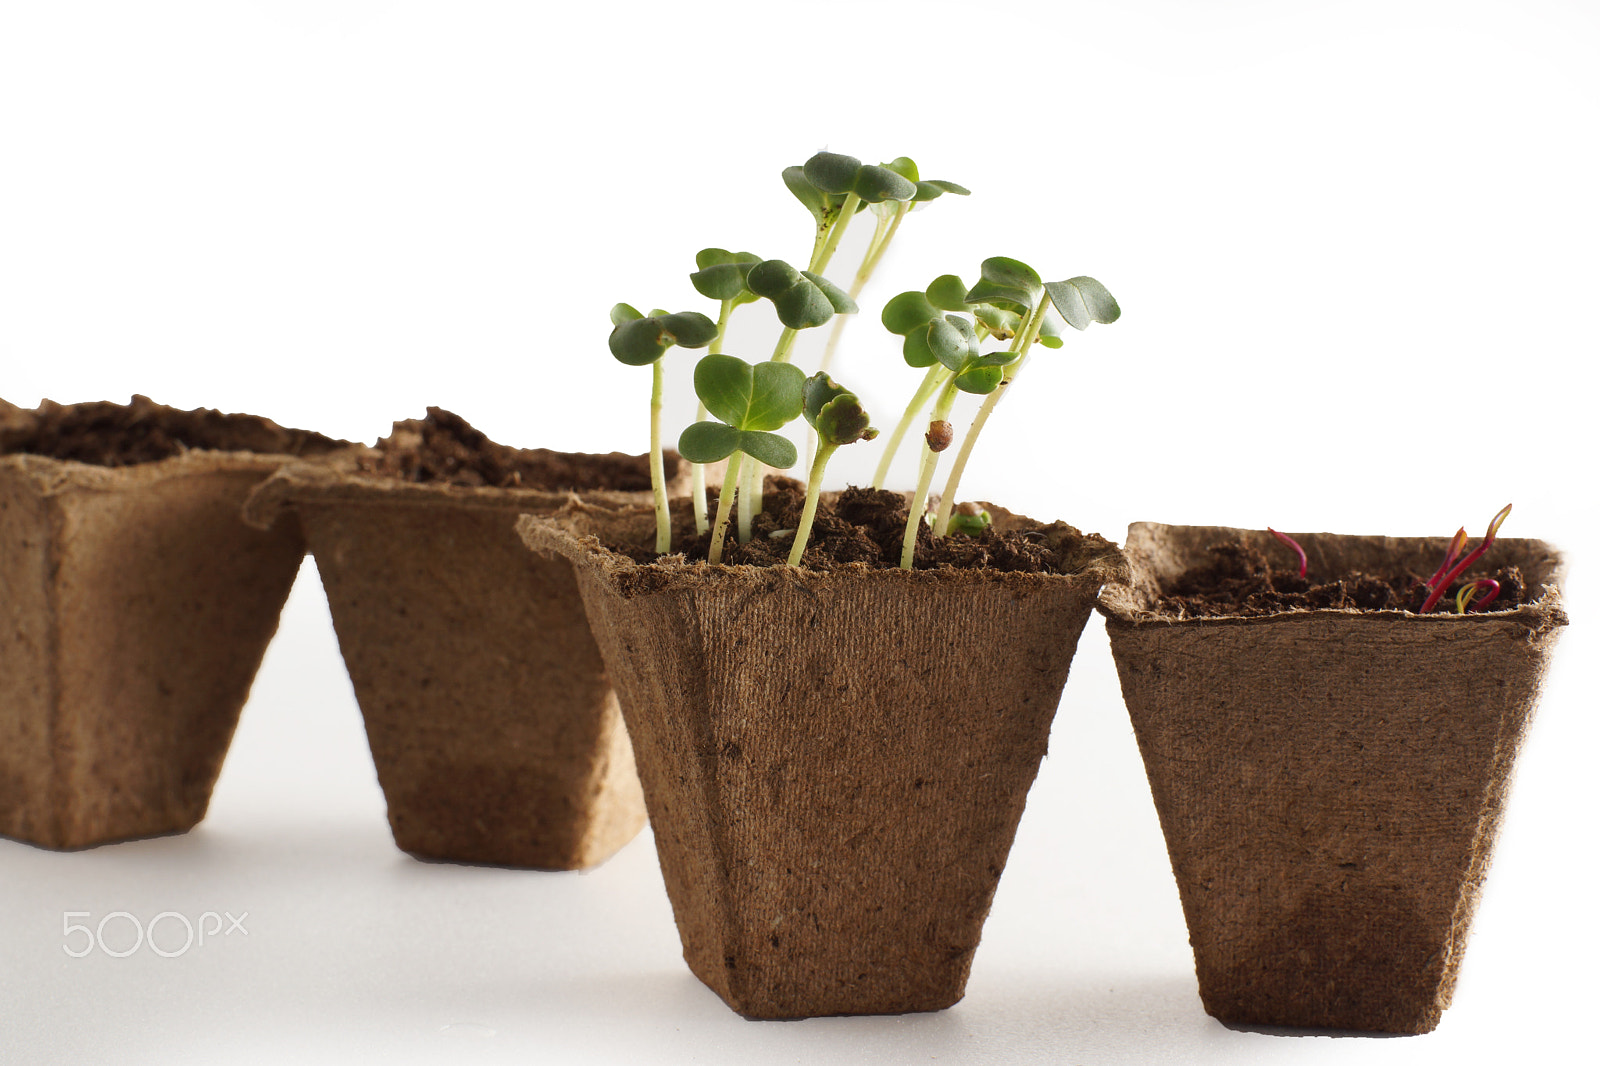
[(1330, 779), (135, 608), (835, 760), (492, 724)]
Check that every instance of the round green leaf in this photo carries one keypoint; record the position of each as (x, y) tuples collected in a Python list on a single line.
[(932, 190), (904, 166), (638, 342), (815, 200), (708, 442), (907, 311), (777, 452), (837, 298), (832, 172), (760, 397), (720, 281), (1083, 300), (688, 329), (621, 313), (980, 380), (948, 345), (947, 292), (1009, 284), (1050, 333), (800, 302), (916, 351), (876, 184)]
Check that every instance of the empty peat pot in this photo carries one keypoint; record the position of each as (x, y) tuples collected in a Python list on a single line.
[(1330, 781), (135, 607), (835, 761), (493, 728)]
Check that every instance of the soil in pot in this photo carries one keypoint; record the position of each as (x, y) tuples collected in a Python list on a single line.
[(136, 609), (494, 730), (1329, 776), (835, 757)]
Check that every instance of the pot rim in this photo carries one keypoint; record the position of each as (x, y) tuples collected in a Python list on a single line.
[(557, 533), (1120, 602), (335, 478)]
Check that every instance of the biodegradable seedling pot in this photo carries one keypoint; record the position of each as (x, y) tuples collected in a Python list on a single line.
[(493, 727), (834, 761), (135, 608), (1330, 782)]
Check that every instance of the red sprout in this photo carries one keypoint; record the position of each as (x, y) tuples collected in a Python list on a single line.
[(1291, 542), (1465, 601), (1461, 567), (1458, 544)]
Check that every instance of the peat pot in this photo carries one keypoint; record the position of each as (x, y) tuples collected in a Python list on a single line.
[(834, 761), (492, 724), (135, 607), (1330, 782)]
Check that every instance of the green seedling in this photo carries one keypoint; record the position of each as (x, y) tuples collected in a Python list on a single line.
[(751, 401), (1012, 285), (836, 415), (719, 275), (952, 344), (970, 519), (640, 340), (890, 213), (915, 316), (833, 188)]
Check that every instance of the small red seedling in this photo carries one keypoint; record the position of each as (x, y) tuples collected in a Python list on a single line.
[(1291, 542), (1466, 599), (1438, 584), (1458, 544)]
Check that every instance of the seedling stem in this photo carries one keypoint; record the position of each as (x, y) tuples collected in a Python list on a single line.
[(1026, 335), (813, 493), (930, 460), (930, 383), (658, 472), (1460, 568), (719, 532), (1291, 542)]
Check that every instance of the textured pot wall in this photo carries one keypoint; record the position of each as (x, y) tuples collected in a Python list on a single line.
[(493, 727), (835, 763), (1330, 783), (138, 607)]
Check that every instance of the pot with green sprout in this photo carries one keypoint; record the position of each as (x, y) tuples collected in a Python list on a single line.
[(1330, 742), (835, 748)]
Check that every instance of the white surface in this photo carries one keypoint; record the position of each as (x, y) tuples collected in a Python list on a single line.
[(1377, 217)]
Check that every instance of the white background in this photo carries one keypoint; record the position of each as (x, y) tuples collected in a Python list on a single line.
[(1355, 247)]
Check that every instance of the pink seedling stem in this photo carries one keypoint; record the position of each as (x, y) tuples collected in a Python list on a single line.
[(1458, 544), (1465, 601), (1291, 542), (1461, 567)]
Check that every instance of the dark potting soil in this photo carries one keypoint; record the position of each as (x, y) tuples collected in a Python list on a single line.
[(443, 447), (1240, 581), (143, 431), (868, 526)]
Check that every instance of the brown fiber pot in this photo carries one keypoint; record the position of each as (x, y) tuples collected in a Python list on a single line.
[(835, 762), (135, 607), (1330, 782), (493, 727)]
